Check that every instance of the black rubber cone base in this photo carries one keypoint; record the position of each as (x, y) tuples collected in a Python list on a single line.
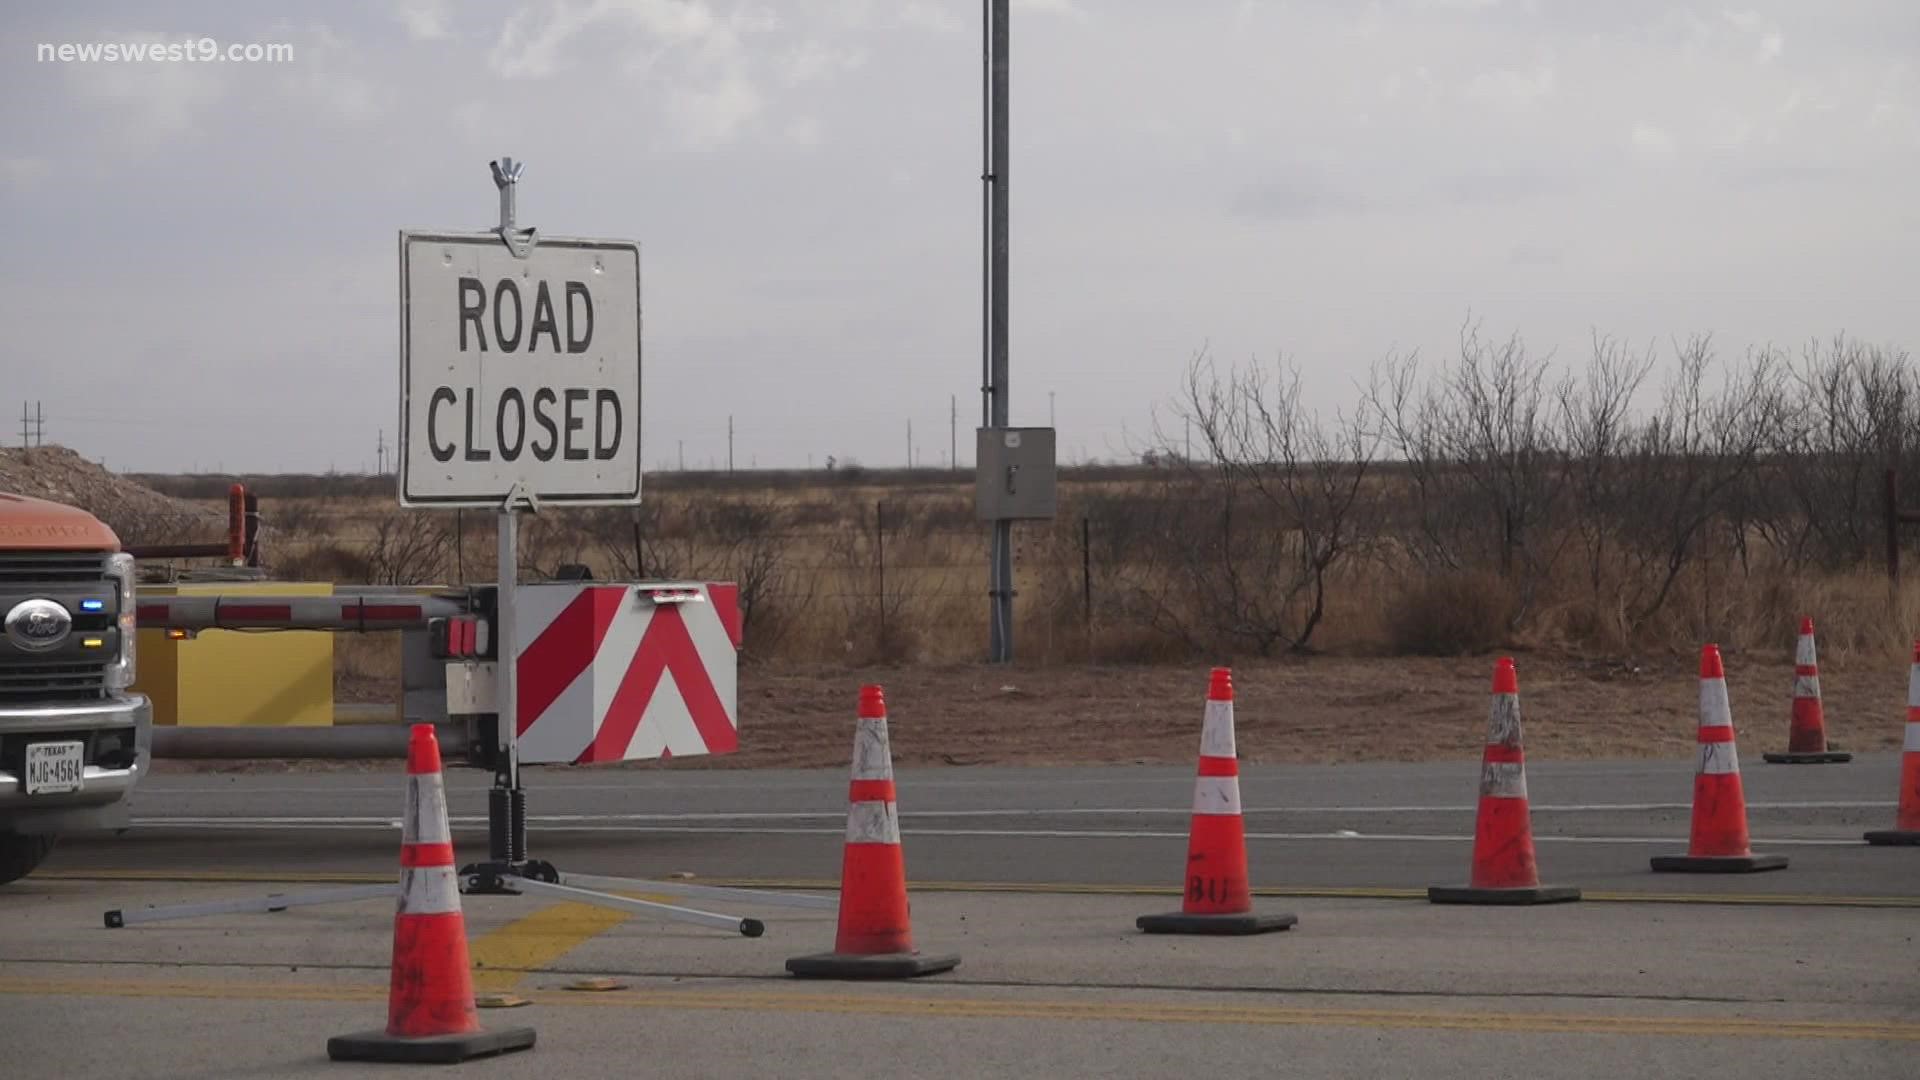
[(1894, 838), (1539, 894), (428, 1050), (875, 966), (1179, 922), (1718, 864), (1824, 757)]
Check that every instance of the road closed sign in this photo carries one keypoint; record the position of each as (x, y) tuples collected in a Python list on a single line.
[(518, 371)]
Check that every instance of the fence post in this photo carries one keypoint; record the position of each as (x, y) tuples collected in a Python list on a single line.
[(880, 558), (1893, 527), (639, 549), (1086, 569)]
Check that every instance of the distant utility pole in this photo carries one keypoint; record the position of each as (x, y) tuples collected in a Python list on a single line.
[(909, 443), (729, 444), (953, 431), (380, 454), (682, 443), (33, 427)]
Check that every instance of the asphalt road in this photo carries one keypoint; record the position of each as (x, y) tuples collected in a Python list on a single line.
[(1369, 826), (1034, 877)]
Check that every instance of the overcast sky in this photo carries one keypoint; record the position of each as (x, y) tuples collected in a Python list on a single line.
[(199, 259)]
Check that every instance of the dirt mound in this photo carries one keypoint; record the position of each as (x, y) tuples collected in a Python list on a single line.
[(139, 514)]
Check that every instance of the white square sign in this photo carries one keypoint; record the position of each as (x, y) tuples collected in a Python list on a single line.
[(518, 370)]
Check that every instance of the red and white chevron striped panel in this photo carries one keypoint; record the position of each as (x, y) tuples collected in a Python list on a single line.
[(626, 672)]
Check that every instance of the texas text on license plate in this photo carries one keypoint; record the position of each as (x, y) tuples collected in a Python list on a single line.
[(54, 767)]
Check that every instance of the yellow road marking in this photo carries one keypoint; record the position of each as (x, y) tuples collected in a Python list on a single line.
[(1311, 892), (1013, 1008), (501, 957)]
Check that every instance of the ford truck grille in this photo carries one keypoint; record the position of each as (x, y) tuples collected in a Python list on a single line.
[(61, 675), (45, 682)]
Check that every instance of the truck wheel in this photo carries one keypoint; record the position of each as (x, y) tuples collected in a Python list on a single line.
[(20, 854)]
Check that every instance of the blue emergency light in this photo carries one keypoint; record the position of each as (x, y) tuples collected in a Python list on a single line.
[(93, 605)]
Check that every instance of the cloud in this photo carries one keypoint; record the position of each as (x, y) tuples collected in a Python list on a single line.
[(812, 61), (153, 101), (1510, 88), (1650, 140), (1299, 195), (22, 172), (1769, 42), (712, 115), (532, 41), (699, 63), (1070, 8), (926, 15), (425, 20), (1536, 255)]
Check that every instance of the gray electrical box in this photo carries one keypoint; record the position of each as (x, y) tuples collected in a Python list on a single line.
[(1014, 477)]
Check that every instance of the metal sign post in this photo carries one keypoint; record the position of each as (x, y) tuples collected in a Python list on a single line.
[(507, 802), (546, 421)]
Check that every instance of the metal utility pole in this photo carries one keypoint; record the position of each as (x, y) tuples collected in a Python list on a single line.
[(995, 85), (682, 444), (729, 444), (953, 432)]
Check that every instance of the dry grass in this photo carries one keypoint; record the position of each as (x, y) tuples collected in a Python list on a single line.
[(912, 588)]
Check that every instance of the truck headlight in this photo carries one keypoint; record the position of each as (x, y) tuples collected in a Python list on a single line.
[(120, 673)]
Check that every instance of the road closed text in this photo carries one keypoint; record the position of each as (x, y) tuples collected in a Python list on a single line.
[(549, 326)]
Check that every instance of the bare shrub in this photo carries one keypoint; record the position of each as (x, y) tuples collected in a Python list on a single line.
[(1243, 548), (1481, 454), (1450, 613), (1859, 415), (406, 548)]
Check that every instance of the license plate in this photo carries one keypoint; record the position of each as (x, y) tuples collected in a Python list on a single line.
[(55, 767)]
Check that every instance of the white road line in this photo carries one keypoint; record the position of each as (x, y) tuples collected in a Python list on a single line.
[(1073, 811), (377, 824)]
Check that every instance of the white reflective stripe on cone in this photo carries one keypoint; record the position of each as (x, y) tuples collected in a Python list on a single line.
[(872, 823), (1913, 737), (872, 758), (1216, 795), (425, 821), (1806, 686), (1718, 758), (429, 890), (1714, 709), (1913, 687), (1503, 720), (1803, 651), (1216, 732), (1503, 779)]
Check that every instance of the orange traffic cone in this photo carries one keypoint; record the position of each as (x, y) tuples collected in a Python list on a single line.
[(1218, 897), (1807, 737), (1504, 871), (1906, 822), (875, 939), (430, 1013), (1719, 841)]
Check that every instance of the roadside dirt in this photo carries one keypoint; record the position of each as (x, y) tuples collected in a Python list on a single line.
[(1308, 710)]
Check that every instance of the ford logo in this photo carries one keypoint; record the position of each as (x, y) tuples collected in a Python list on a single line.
[(38, 625)]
